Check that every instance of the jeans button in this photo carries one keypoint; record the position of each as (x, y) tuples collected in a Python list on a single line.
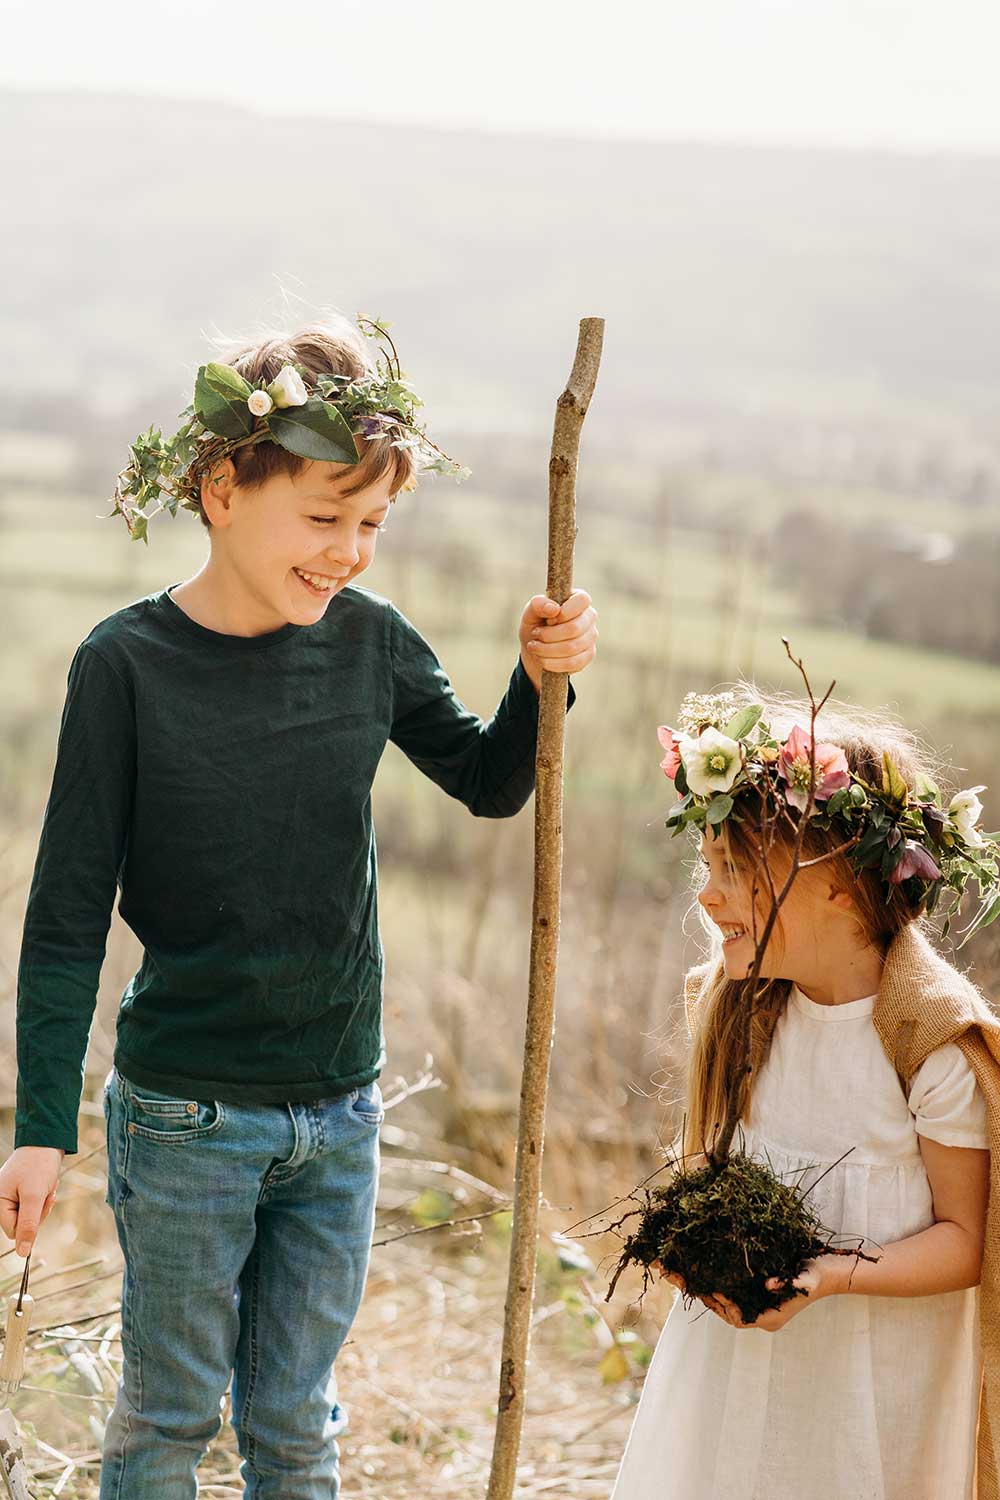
[(192, 1109)]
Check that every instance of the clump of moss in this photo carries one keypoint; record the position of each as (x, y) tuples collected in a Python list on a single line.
[(729, 1229)]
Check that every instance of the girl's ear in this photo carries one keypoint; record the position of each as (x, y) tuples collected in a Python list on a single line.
[(840, 898)]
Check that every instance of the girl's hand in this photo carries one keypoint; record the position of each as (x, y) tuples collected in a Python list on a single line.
[(815, 1280), (671, 1276), (555, 639), (714, 1303)]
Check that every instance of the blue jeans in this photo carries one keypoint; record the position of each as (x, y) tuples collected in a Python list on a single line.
[(246, 1231)]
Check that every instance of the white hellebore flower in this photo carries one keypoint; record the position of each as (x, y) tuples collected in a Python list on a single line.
[(711, 762), (260, 403), (966, 809), (287, 388)]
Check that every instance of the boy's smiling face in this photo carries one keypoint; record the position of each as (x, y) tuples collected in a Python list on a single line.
[(264, 540)]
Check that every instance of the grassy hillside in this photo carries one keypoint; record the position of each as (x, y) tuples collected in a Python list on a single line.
[(679, 608)]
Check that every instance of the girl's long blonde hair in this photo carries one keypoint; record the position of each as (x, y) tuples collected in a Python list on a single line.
[(715, 1066)]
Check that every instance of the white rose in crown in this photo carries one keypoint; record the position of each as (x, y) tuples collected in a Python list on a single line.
[(288, 388), (966, 810), (260, 403)]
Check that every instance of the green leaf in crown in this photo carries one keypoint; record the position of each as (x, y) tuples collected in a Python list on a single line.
[(741, 723), (220, 404), (893, 785), (227, 382), (315, 430)]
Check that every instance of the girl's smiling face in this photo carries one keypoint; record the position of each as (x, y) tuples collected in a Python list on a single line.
[(266, 539), (725, 899), (810, 918)]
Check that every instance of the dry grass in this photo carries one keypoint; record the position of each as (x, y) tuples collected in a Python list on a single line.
[(420, 1372)]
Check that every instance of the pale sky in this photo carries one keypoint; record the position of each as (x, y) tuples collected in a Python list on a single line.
[(914, 74)]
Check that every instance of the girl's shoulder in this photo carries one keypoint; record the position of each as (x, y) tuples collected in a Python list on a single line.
[(926, 1006), (946, 1101)]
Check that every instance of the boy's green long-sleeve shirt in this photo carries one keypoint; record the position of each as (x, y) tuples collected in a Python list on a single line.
[(223, 783)]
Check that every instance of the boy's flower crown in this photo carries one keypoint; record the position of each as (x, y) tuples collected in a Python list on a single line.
[(228, 413), (722, 750)]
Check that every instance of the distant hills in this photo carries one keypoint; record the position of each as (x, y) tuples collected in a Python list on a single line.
[(739, 284)]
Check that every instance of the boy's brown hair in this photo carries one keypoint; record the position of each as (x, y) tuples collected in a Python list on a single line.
[(329, 346)]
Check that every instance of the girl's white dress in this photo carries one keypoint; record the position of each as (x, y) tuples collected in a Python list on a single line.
[(858, 1397)]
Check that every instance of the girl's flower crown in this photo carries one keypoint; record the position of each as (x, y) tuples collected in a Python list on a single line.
[(721, 751), (228, 413)]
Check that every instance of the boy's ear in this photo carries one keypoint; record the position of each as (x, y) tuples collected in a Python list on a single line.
[(217, 484)]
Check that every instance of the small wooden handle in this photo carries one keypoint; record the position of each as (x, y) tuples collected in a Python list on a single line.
[(15, 1343)]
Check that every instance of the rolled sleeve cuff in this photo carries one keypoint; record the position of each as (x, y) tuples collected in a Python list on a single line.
[(523, 697)]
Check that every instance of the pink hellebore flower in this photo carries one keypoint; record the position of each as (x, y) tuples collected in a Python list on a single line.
[(832, 771), (670, 741), (915, 861)]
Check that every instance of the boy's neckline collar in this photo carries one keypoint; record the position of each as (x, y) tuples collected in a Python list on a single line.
[(181, 618)]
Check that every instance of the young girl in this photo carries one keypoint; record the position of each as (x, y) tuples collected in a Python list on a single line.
[(871, 1390)]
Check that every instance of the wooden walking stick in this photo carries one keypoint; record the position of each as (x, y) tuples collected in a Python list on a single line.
[(571, 408)]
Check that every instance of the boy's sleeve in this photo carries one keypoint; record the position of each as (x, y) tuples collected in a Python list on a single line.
[(490, 766), (80, 853)]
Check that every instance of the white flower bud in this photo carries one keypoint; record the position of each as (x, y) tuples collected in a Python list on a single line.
[(287, 388), (260, 403)]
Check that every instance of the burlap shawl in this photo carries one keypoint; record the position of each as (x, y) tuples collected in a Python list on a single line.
[(924, 1002)]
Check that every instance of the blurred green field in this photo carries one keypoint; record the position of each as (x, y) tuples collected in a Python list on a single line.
[(682, 605)]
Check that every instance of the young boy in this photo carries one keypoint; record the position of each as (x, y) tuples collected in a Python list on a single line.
[(216, 754)]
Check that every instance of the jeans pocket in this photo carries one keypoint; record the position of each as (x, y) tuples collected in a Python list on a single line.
[(366, 1104), (169, 1118)]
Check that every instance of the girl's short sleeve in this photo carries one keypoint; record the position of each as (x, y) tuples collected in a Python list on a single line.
[(946, 1101)]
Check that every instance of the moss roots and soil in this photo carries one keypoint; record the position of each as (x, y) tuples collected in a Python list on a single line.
[(729, 1229)]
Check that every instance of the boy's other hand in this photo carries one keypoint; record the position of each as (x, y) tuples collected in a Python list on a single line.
[(29, 1179), (555, 639)]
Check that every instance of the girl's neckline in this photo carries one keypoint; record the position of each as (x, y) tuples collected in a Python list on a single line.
[(849, 1011), (219, 637)]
